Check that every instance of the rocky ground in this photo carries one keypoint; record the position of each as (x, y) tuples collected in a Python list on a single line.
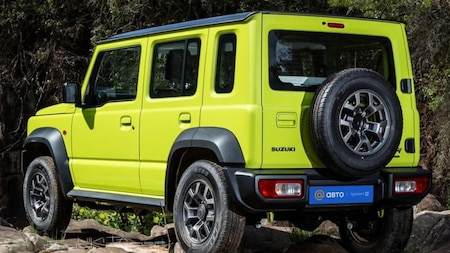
[(431, 234)]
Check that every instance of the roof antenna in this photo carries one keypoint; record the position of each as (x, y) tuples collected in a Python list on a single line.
[(382, 11)]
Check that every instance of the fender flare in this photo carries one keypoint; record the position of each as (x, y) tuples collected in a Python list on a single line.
[(219, 140), (53, 139), (222, 142)]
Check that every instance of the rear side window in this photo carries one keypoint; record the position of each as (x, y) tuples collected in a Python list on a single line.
[(175, 69), (115, 76), (303, 60), (226, 62)]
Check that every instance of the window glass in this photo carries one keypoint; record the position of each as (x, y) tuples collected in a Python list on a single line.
[(301, 60), (226, 61), (115, 76), (175, 69)]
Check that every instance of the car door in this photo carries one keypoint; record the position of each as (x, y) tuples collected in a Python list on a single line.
[(171, 104), (105, 142)]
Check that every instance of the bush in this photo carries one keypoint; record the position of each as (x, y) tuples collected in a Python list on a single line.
[(129, 222)]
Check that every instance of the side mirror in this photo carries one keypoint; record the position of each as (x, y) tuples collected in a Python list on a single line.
[(71, 93)]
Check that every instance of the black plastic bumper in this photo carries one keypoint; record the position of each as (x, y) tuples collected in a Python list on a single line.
[(244, 185)]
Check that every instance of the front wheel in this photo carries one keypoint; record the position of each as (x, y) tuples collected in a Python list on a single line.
[(382, 231), (45, 207), (204, 221)]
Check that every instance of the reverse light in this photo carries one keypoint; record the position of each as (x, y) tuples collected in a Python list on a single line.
[(271, 188), (411, 185)]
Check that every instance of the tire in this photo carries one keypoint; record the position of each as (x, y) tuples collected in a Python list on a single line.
[(355, 138), (204, 221), (387, 234), (45, 207)]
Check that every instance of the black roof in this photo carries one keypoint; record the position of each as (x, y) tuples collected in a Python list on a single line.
[(183, 25), (210, 22)]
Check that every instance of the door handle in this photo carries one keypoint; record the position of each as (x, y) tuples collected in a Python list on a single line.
[(286, 119), (125, 121), (185, 118)]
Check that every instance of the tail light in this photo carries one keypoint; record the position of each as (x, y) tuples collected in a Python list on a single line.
[(415, 185), (271, 188)]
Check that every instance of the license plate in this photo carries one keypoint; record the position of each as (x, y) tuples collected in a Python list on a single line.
[(326, 195)]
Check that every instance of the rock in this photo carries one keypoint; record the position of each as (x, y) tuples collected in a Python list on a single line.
[(178, 248), (54, 246), (430, 203), (137, 247), (268, 238), (69, 250), (158, 231), (12, 240), (107, 250), (39, 242), (431, 231), (317, 244), (327, 228), (90, 225)]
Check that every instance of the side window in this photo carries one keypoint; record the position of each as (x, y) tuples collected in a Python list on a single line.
[(115, 76), (226, 61), (175, 69)]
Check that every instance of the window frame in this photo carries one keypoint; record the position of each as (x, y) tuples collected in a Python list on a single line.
[(223, 40), (184, 89), (91, 96)]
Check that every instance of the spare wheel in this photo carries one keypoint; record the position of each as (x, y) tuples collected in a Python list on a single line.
[(356, 122)]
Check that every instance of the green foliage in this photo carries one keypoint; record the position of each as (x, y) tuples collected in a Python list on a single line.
[(299, 235), (438, 88), (125, 221), (429, 43), (396, 10)]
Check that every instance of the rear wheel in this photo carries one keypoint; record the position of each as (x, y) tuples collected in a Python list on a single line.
[(204, 221), (382, 231), (46, 208)]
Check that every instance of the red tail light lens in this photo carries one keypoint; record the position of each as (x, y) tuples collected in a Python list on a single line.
[(411, 185), (270, 188)]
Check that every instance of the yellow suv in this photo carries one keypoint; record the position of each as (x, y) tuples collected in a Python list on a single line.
[(224, 119)]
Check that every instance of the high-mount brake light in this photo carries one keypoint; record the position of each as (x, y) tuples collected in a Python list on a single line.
[(416, 185), (279, 188), (336, 25)]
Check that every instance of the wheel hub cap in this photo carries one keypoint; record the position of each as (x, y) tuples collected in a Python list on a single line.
[(364, 122), (202, 212), (359, 122), (39, 197), (199, 211)]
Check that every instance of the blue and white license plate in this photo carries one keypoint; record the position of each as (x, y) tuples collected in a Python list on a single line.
[(326, 195)]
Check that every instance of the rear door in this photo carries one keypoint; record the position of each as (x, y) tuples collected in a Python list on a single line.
[(171, 102)]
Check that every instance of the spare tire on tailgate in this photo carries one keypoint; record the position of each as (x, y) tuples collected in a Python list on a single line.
[(356, 123)]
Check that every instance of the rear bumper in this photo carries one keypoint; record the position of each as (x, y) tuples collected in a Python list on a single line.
[(244, 185)]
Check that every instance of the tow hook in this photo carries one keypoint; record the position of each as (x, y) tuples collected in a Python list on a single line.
[(350, 225)]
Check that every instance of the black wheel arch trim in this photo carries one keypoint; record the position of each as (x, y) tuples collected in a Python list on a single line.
[(52, 138), (222, 142)]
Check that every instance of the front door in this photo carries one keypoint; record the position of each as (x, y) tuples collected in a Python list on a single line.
[(105, 144)]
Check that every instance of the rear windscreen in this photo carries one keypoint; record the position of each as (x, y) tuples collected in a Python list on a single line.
[(301, 60)]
